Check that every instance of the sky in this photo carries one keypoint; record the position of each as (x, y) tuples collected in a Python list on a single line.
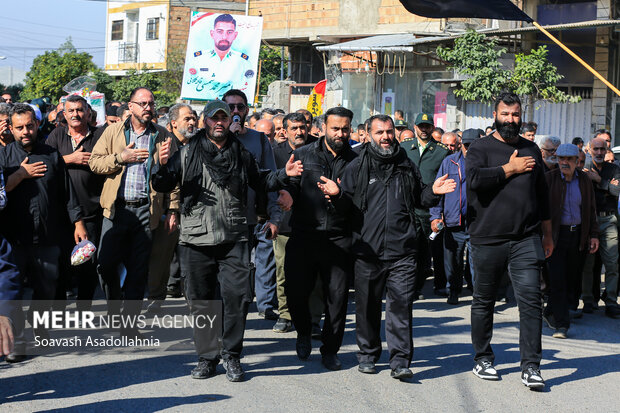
[(34, 26)]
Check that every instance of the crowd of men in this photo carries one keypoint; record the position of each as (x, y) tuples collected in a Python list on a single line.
[(182, 202)]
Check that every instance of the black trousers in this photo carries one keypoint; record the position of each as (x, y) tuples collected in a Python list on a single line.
[(564, 275), (126, 240), (202, 269), (330, 258), (395, 278), (455, 243), (428, 249), (524, 259)]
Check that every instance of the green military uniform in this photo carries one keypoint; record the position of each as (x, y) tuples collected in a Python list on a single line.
[(428, 159)]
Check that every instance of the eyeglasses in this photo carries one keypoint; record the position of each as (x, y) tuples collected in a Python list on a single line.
[(239, 106), (144, 105), (552, 150)]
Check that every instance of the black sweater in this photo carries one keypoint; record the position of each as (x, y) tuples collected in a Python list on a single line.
[(501, 209)]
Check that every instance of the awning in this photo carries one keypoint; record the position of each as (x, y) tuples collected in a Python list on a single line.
[(405, 42)]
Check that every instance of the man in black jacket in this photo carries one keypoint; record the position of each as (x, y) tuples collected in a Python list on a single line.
[(508, 206), (381, 188), (318, 227), (214, 171)]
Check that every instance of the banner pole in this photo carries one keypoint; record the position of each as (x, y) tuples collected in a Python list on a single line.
[(580, 60), (260, 65)]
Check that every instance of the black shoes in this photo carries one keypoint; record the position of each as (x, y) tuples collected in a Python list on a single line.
[(367, 367), (331, 362), (453, 298), (268, 314), (234, 372), (401, 373), (531, 378), (588, 308), (303, 346), (283, 326), (204, 369), (174, 292), (15, 358), (485, 370), (612, 311)]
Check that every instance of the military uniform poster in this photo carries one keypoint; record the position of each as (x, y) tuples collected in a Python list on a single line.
[(222, 54)]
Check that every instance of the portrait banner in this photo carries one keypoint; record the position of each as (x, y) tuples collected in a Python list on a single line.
[(222, 54)]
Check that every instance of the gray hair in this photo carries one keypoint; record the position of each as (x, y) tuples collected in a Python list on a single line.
[(163, 120), (174, 111), (5, 109), (555, 141), (450, 135)]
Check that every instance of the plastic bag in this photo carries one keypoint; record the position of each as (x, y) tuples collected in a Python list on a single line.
[(82, 252)]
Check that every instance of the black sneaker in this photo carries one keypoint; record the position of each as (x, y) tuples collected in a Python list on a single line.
[(531, 378), (485, 370), (283, 326), (174, 292), (453, 299), (367, 367), (588, 308), (204, 369), (612, 311), (331, 362), (401, 373), (303, 346), (234, 372)]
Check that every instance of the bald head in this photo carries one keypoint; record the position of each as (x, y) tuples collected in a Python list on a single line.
[(406, 134), (267, 127)]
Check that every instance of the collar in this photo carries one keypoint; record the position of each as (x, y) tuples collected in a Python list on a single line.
[(575, 175), (424, 146)]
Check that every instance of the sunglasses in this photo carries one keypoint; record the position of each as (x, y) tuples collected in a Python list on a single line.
[(239, 106)]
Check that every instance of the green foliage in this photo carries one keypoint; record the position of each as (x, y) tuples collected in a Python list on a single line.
[(271, 58), (535, 76), (121, 89), (104, 83), (477, 57), (54, 69)]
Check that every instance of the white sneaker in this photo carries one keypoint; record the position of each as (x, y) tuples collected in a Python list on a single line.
[(485, 370)]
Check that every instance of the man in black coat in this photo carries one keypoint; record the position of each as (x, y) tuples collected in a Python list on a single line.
[(380, 190)]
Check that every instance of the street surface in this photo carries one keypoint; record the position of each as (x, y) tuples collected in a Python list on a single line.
[(582, 373)]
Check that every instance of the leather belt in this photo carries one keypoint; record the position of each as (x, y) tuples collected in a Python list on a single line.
[(570, 228), (134, 204)]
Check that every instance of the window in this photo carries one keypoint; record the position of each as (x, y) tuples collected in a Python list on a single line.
[(117, 30), (152, 29)]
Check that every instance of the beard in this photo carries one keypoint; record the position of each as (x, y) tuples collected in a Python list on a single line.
[(218, 136), (186, 133), (380, 149), (223, 45), (508, 130), (335, 143), (298, 142)]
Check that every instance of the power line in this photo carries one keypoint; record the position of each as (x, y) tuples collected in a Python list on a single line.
[(49, 25)]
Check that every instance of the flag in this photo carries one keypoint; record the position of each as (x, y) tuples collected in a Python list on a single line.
[(481, 9), (315, 102)]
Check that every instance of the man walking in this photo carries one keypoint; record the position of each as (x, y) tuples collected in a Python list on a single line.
[(508, 207), (380, 188)]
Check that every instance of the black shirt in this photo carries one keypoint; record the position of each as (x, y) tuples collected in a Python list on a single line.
[(282, 152), (87, 184), (500, 209), (37, 208), (606, 194)]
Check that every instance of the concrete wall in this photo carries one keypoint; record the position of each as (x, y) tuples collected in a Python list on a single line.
[(601, 107)]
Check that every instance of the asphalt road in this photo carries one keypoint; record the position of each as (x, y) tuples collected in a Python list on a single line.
[(582, 373)]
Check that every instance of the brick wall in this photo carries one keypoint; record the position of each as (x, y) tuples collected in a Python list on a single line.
[(393, 12), (282, 14)]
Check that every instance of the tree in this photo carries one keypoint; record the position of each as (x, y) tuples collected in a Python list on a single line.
[(271, 58), (121, 89), (477, 57), (54, 69)]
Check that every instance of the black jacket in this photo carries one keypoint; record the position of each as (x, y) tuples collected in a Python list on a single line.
[(312, 213), (39, 210), (387, 229)]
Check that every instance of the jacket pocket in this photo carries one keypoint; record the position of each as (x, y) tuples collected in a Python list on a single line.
[(194, 224)]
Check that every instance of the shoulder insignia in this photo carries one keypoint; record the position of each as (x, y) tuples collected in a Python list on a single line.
[(198, 53), (244, 56), (441, 145)]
